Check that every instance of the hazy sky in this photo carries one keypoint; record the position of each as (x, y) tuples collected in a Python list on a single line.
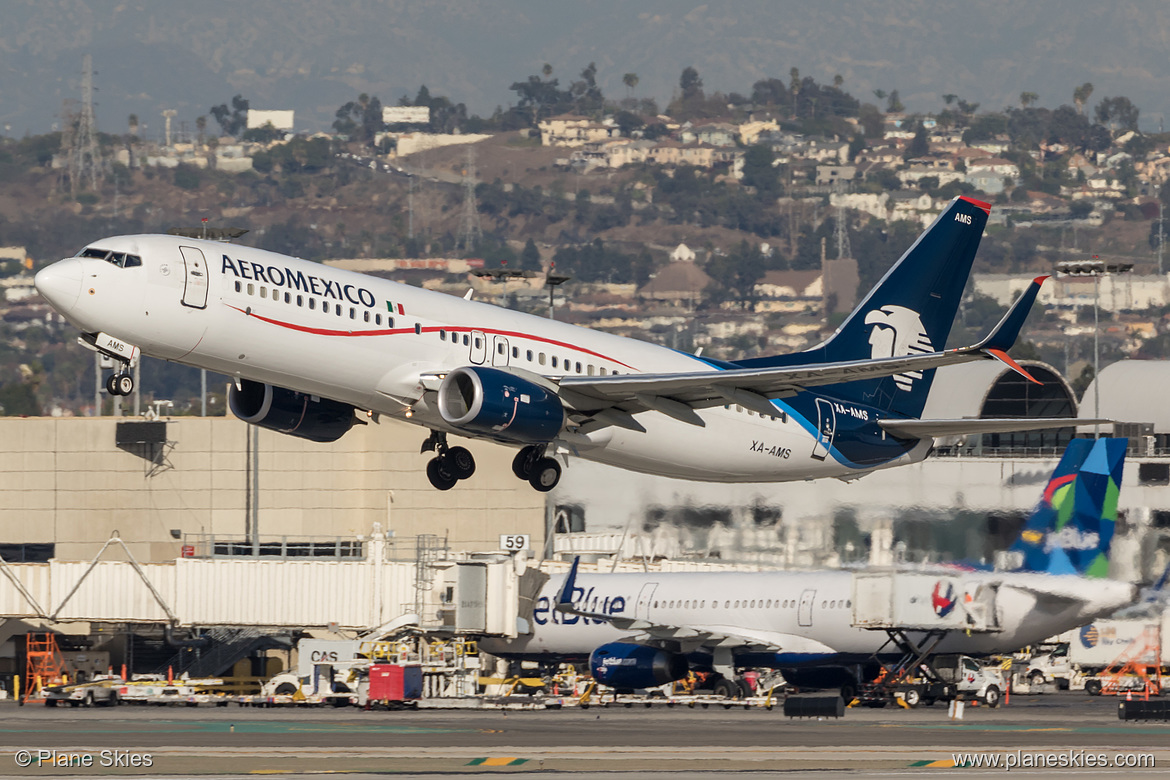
[(313, 56)]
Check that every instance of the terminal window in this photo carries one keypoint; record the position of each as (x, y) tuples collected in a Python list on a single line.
[(1154, 473)]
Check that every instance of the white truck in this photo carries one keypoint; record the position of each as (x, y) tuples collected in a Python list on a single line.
[(1079, 663)]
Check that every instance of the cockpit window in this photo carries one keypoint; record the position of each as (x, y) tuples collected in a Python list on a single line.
[(120, 259)]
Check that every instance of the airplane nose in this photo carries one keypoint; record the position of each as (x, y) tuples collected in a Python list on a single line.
[(60, 283)]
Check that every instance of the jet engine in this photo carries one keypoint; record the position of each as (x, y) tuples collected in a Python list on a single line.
[(495, 403), (287, 411), (627, 665)]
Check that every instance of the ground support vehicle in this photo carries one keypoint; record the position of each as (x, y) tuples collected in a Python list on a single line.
[(102, 692)]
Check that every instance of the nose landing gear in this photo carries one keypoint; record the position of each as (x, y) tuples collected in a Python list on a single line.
[(121, 383), (449, 465)]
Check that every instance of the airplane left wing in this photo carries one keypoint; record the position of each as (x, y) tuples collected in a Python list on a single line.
[(613, 400)]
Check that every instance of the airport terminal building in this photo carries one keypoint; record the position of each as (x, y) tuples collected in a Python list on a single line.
[(231, 525)]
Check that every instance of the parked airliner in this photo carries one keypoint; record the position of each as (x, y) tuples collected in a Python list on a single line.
[(308, 346), (827, 628)]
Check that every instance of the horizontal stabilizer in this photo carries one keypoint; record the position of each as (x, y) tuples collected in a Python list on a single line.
[(920, 429)]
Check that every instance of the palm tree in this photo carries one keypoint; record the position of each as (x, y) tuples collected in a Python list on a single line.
[(1028, 98), (631, 81)]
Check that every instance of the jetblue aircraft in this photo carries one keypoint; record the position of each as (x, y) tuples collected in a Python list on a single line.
[(823, 629), (308, 346)]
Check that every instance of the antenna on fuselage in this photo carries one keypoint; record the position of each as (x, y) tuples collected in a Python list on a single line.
[(209, 233)]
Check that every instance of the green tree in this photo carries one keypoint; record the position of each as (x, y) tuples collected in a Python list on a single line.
[(1028, 98), (234, 120), (1118, 113), (894, 103), (1081, 96), (919, 145), (19, 399), (759, 170), (690, 85), (530, 257)]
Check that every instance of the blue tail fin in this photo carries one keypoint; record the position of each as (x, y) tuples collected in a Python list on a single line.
[(1071, 528), (910, 311)]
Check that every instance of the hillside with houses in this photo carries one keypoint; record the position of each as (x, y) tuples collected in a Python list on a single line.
[(740, 224)]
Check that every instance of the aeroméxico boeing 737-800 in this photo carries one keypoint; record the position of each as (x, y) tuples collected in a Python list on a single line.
[(308, 346), (824, 628)]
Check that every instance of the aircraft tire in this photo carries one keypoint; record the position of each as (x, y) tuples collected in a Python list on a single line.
[(727, 689), (440, 477), (546, 473), (522, 464), (460, 462), (745, 689), (112, 384), (125, 384)]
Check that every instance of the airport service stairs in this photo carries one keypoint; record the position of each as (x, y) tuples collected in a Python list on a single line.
[(225, 647)]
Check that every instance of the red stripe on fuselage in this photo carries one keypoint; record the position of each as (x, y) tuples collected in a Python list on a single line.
[(432, 329)]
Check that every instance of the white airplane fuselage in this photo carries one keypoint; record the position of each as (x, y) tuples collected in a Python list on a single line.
[(809, 615), (370, 342)]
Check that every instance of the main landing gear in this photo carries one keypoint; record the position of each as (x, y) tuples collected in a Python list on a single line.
[(531, 464), (120, 383), (449, 465)]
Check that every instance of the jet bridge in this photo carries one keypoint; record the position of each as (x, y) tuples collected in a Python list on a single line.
[(917, 610)]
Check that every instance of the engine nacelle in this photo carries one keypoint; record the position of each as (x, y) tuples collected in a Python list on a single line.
[(627, 665), (287, 411), (499, 404)]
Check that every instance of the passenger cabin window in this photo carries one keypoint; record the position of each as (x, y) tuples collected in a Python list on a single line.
[(301, 301), (442, 335), (312, 302), (239, 286), (528, 355), (554, 361), (377, 319)]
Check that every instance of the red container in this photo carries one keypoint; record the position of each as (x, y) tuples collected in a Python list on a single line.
[(393, 682)]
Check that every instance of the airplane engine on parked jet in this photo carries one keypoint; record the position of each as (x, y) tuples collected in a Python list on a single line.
[(287, 411), (627, 665), (495, 403)]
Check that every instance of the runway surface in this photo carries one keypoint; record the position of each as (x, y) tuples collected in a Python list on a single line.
[(658, 742)]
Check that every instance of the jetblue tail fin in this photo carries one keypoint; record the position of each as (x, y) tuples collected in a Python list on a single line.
[(910, 311), (1071, 529)]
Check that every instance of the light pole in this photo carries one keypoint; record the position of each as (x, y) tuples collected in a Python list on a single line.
[(1095, 268)]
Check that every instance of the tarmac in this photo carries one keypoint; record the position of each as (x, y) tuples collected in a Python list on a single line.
[(1046, 736)]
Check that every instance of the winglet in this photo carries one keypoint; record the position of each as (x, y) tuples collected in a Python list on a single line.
[(565, 597), (1008, 330), (1004, 358)]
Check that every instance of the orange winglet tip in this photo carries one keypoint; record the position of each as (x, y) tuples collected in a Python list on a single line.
[(1006, 359), (1041, 279)]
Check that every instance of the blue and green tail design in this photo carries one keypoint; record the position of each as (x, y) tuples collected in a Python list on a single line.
[(1071, 529)]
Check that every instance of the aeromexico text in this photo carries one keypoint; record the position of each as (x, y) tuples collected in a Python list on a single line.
[(298, 280)]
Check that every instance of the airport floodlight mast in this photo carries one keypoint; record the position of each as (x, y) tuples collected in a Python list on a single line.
[(1095, 268), (470, 232)]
